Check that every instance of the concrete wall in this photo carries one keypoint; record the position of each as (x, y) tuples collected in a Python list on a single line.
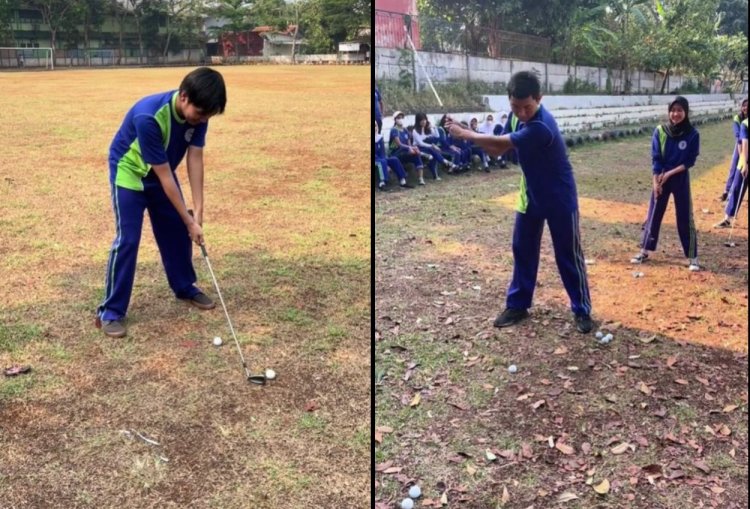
[(447, 67)]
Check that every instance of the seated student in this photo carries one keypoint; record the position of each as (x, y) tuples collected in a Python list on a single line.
[(488, 127), (382, 162), (475, 149), (423, 137), (399, 146), (426, 157), (499, 130), (451, 149)]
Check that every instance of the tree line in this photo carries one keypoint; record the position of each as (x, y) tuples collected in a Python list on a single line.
[(322, 23), (703, 38)]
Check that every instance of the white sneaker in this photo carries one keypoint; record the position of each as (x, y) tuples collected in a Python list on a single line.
[(421, 182), (438, 178), (694, 267)]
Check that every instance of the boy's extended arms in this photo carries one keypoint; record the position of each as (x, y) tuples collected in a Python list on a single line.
[(195, 176), (164, 173)]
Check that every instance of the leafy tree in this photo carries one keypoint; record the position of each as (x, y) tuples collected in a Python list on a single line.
[(7, 14), (55, 14), (733, 17)]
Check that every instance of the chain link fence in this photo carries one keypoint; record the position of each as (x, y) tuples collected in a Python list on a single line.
[(438, 35)]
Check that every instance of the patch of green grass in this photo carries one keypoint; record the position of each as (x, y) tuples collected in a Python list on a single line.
[(14, 337), (294, 316), (12, 388), (311, 422)]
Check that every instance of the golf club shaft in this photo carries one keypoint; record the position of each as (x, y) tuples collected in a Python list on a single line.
[(650, 219), (224, 307)]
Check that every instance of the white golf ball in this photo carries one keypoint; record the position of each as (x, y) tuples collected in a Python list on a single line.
[(415, 492), (270, 374), (599, 335), (217, 341), (512, 368), (609, 337), (407, 503)]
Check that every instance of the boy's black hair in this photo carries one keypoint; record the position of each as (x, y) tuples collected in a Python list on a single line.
[(205, 90), (524, 84)]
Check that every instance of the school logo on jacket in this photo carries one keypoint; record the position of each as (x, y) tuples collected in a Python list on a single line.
[(682, 145), (189, 135)]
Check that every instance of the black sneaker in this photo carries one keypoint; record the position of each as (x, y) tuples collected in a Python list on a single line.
[(584, 323), (510, 317), (723, 197), (201, 301), (406, 186), (724, 223)]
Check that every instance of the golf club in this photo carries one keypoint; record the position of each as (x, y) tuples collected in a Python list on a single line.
[(259, 379), (735, 218)]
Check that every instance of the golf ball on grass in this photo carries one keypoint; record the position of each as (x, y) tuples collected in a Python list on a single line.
[(407, 503), (270, 374), (599, 335), (512, 369), (217, 341), (415, 492)]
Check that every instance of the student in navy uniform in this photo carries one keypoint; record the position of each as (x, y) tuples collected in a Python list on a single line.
[(739, 183), (424, 138), (399, 146), (378, 109), (476, 149), (551, 198), (674, 148), (155, 135), (736, 182), (459, 154), (736, 122), (382, 162)]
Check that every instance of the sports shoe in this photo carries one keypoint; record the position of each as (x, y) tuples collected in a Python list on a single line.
[(438, 178), (421, 182), (724, 223), (201, 301), (406, 186), (113, 328), (694, 267), (723, 197), (510, 317), (639, 258), (584, 323)]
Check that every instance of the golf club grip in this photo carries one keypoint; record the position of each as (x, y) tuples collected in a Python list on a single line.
[(203, 248)]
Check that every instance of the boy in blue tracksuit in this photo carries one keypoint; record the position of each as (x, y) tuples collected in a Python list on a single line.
[(736, 184), (675, 147), (736, 123), (155, 135), (551, 198), (382, 162), (739, 184)]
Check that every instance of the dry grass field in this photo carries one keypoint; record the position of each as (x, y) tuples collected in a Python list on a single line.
[(287, 226)]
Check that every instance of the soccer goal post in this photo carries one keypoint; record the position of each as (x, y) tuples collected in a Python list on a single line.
[(19, 58)]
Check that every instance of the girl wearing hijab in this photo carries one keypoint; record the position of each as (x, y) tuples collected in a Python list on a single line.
[(674, 149)]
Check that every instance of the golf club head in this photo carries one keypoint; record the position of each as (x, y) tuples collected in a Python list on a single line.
[(257, 379)]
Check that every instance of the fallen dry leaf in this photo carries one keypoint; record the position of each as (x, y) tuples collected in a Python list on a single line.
[(729, 408), (567, 497), (602, 488), (620, 449), (564, 448), (311, 406), (415, 400), (505, 497), (537, 404), (645, 389)]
